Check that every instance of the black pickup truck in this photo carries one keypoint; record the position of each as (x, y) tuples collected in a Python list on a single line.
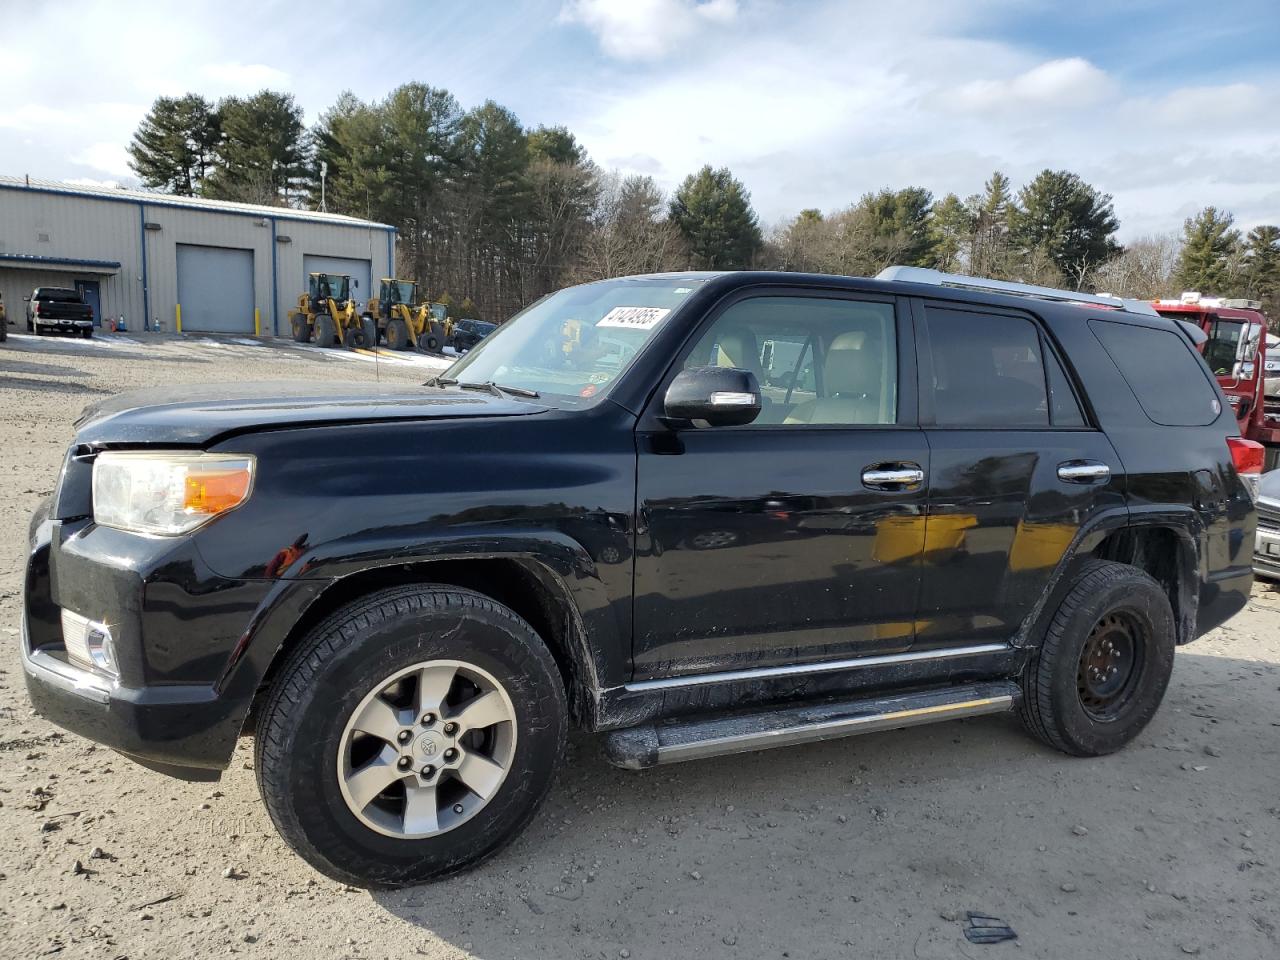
[(963, 497), (58, 309)]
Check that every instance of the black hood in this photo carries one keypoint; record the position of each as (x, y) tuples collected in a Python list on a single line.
[(200, 414)]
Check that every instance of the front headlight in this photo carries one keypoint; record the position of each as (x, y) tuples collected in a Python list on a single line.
[(167, 494)]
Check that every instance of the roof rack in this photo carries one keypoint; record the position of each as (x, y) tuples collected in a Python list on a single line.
[(937, 278)]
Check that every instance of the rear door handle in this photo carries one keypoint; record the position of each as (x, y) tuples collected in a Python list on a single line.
[(1083, 471), (893, 476)]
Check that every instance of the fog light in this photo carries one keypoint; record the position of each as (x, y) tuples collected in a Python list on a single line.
[(89, 643)]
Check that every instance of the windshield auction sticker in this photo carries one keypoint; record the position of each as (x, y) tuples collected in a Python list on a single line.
[(633, 318)]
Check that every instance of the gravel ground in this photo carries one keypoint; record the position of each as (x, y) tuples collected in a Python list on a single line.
[(871, 847)]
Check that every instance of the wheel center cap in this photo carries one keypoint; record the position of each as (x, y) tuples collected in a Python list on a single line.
[(429, 744)]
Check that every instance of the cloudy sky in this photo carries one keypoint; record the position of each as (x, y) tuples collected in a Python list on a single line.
[(1168, 106)]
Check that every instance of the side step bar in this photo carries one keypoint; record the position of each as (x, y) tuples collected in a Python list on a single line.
[(692, 738)]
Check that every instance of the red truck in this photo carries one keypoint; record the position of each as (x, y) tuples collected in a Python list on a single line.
[(1244, 356)]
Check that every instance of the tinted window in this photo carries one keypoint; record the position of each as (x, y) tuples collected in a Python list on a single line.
[(819, 361), (987, 370), (1166, 377), (1063, 406), (57, 294)]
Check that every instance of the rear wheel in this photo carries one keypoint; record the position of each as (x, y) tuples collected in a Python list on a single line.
[(326, 331), (300, 329), (353, 338), (1099, 675), (370, 327), (397, 335), (87, 333), (410, 736)]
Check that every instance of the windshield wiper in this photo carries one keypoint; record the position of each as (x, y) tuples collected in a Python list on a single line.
[(488, 386), (498, 389)]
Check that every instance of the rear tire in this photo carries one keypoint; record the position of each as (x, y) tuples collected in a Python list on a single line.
[(370, 327), (362, 669), (300, 329), (353, 338), (326, 332), (397, 335), (1103, 667), (87, 334)]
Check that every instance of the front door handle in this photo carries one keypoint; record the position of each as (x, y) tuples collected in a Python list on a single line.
[(1083, 471), (893, 476)]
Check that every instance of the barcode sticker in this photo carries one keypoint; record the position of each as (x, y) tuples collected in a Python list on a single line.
[(633, 318)]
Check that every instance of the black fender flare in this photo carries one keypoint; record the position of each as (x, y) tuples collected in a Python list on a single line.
[(1186, 525)]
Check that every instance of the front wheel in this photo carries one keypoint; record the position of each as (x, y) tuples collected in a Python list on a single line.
[(326, 331), (1102, 669), (410, 736)]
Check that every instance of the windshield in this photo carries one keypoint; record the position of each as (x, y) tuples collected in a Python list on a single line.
[(1227, 343), (337, 288), (402, 291), (576, 342)]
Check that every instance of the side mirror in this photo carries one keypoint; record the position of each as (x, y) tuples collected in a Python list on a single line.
[(713, 397), (356, 284)]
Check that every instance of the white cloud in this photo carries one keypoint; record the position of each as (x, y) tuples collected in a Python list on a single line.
[(647, 29), (814, 106), (1072, 82), (32, 116), (235, 77), (107, 157), (91, 182)]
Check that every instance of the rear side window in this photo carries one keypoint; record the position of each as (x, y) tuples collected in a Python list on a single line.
[(987, 370), (1168, 380)]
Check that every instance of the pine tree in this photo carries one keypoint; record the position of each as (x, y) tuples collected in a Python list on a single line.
[(952, 226), (712, 211), (1210, 244), (173, 147), (1262, 269), (989, 246), (262, 156), (1067, 222)]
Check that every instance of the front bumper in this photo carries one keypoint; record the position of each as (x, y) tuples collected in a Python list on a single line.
[(151, 726), (1266, 553), (182, 696)]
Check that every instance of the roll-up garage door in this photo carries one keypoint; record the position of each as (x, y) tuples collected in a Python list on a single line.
[(215, 288), (357, 270)]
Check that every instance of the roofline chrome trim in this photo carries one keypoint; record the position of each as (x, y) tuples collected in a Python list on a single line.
[(821, 666)]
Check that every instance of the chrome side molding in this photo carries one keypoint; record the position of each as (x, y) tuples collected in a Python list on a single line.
[(820, 666)]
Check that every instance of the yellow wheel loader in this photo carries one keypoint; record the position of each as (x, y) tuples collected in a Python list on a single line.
[(327, 314), (404, 322)]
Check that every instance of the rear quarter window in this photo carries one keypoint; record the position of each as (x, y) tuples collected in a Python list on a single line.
[(1168, 380)]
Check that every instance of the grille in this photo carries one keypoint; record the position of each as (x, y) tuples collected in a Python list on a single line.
[(1269, 516)]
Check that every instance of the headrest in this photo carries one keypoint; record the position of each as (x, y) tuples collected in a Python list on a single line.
[(851, 369), (738, 350)]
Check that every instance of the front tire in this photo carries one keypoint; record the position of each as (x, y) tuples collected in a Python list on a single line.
[(1103, 667), (326, 331), (411, 735)]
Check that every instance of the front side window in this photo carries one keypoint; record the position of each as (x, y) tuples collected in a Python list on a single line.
[(574, 343), (819, 361), (987, 370)]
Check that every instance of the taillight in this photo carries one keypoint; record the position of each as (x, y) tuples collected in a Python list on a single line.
[(1248, 457)]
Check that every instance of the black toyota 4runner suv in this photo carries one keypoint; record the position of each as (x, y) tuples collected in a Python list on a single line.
[(696, 513)]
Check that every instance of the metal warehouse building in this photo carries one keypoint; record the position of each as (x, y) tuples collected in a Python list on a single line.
[(150, 257)]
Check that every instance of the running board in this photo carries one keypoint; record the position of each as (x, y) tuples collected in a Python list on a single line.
[(692, 738)]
